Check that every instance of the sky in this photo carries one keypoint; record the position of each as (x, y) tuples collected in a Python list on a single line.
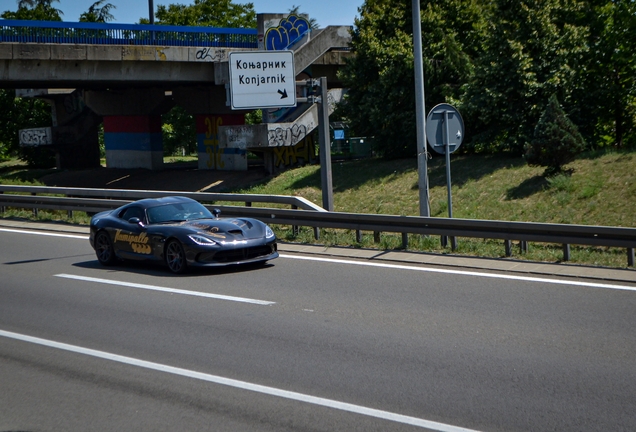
[(325, 12)]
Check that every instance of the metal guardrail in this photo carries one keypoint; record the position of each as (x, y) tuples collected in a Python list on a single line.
[(128, 195), (25, 31), (104, 199)]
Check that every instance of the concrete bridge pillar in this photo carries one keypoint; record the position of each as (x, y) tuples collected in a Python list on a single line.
[(212, 153), (132, 125), (133, 141), (208, 105), (74, 135)]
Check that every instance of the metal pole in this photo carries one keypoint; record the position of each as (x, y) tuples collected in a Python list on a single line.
[(325, 150), (151, 12), (420, 112), (448, 174), (448, 167)]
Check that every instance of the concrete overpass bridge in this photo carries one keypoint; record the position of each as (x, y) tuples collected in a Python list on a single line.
[(127, 76)]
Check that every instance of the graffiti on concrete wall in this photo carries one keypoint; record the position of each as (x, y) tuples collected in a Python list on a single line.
[(211, 142), (286, 136), (73, 104), (239, 136), (301, 153), (288, 30), (35, 137), (206, 54)]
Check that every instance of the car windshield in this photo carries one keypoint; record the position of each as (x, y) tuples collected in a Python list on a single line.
[(177, 212)]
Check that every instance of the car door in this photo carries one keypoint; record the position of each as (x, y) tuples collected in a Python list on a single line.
[(130, 239)]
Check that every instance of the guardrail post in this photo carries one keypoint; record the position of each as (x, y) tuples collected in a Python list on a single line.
[(358, 236), (2, 208), (376, 236), (630, 257), (248, 204), (35, 210), (405, 240), (444, 242), (317, 233), (69, 214), (508, 246), (523, 246), (294, 227), (566, 252)]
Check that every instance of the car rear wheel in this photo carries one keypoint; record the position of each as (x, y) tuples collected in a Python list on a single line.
[(175, 257), (104, 249)]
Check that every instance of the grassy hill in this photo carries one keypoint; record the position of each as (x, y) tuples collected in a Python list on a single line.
[(600, 189)]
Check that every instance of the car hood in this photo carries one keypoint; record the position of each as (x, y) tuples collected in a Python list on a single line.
[(227, 229)]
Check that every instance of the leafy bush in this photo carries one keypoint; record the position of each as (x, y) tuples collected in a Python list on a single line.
[(37, 157), (556, 140)]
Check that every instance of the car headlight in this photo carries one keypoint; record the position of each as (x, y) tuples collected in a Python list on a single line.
[(268, 232), (202, 240)]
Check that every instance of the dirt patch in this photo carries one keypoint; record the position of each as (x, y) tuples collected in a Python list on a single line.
[(176, 177)]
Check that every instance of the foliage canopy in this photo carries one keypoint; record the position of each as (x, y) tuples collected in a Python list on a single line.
[(380, 77), (212, 13), (498, 62)]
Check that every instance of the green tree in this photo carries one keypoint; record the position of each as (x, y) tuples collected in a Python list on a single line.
[(179, 132), (380, 76), (22, 113), (211, 13), (534, 49), (98, 12), (37, 10), (610, 84), (556, 140)]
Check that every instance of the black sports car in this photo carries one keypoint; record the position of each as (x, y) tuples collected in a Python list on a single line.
[(180, 232)]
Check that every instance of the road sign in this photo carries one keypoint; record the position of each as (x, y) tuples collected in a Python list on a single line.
[(445, 133), (262, 79), (444, 125)]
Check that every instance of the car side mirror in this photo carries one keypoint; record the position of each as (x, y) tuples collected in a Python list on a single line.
[(216, 212), (136, 221)]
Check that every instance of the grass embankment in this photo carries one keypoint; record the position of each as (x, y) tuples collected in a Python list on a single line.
[(600, 190)]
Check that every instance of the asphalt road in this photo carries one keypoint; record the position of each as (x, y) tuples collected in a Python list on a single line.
[(304, 345)]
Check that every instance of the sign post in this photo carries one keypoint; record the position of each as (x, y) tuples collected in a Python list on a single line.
[(266, 79), (420, 112), (262, 79), (445, 133), (325, 148)]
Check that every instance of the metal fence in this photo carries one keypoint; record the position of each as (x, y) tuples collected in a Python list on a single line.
[(305, 213), (24, 31)]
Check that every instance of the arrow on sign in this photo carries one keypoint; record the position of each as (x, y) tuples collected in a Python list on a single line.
[(283, 93)]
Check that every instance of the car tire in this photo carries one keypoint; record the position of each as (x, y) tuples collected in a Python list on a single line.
[(175, 257), (104, 249)]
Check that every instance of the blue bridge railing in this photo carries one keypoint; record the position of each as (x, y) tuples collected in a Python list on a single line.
[(124, 34)]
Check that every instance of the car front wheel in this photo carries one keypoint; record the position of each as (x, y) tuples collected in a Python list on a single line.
[(175, 257), (104, 249)]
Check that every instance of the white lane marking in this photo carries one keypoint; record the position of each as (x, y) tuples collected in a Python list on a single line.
[(164, 289), (272, 391), (464, 273), (405, 267), (44, 233)]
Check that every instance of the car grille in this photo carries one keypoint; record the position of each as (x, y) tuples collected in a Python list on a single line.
[(236, 255)]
